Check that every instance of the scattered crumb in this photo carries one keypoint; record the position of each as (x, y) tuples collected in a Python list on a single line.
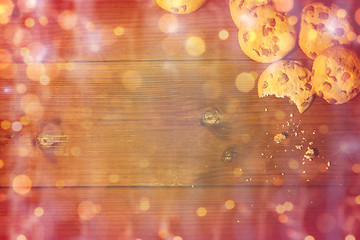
[(291, 115), (311, 143), (299, 147), (266, 109), (278, 138), (309, 154)]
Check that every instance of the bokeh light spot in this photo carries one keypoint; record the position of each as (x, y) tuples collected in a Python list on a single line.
[(5, 58), (341, 13), (5, 124), (245, 82), (237, 172), (357, 16), (131, 80), (223, 34), (357, 199), (67, 20), (280, 209), (43, 20), (177, 238), (35, 70), (114, 178), (201, 212), (144, 204), (21, 184), (356, 168), (280, 115), (293, 20), (350, 237), (229, 204), (29, 22), (44, 80), (32, 107), (309, 237), (118, 31), (1, 163), (283, 218), (16, 126), (323, 129), (168, 23), (195, 46), (284, 5), (39, 211), (86, 210), (21, 88), (288, 206), (21, 237), (25, 120), (293, 164), (351, 36)]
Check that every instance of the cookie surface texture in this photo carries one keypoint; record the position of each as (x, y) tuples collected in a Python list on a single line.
[(239, 9), (180, 6), (336, 76), (266, 35), (288, 78), (323, 27)]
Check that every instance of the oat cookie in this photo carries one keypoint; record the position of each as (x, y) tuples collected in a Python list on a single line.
[(180, 6), (336, 74), (323, 27), (239, 9), (287, 78), (266, 35)]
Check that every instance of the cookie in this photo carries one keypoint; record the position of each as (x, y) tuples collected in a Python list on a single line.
[(287, 78), (239, 9), (323, 27), (336, 74), (266, 35), (180, 6)]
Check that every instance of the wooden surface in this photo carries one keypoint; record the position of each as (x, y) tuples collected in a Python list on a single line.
[(116, 145)]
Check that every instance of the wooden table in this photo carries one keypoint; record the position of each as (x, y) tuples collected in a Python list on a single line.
[(121, 121)]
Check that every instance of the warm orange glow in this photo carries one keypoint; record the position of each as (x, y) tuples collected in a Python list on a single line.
[(309, 237), (67, 20), (39, 211), (351, 36), (86, 210), (5, 124), (223, 34), (323, 167), (293, 20), (277, 181), (163, 233), (283, 218), (43, 20), (245, 82), (5, 58), (60, 183), (201, 211), (280, 114), (24, 151), (177, 238), (229, 204), (6, 9), (195, 46), (144, 204), (312, 34), (118, 31), (356, 168), (350, 237), (168, 23), (22, 184), (29, 22), (323, 129), (16, 126), (341, 13), (1, 163), (44, 80)]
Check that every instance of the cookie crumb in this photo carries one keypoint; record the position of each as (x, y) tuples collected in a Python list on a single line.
[(278, 138), (299, 147), (309, 154), (291, 115), (311, 143)]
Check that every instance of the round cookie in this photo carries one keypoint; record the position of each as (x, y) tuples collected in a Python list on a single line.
[(323, 27), (180, 6), (239, 9), (266, 35), (287, 78), (336, 74)]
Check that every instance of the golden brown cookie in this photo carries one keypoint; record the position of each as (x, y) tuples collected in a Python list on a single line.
[(239, 9), (287, 78), (266, 35), (180, 6), (336, 74), (323, 27)]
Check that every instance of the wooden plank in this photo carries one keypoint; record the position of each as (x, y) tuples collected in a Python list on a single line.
[(93, 38), (147, 131), (164, 213)]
